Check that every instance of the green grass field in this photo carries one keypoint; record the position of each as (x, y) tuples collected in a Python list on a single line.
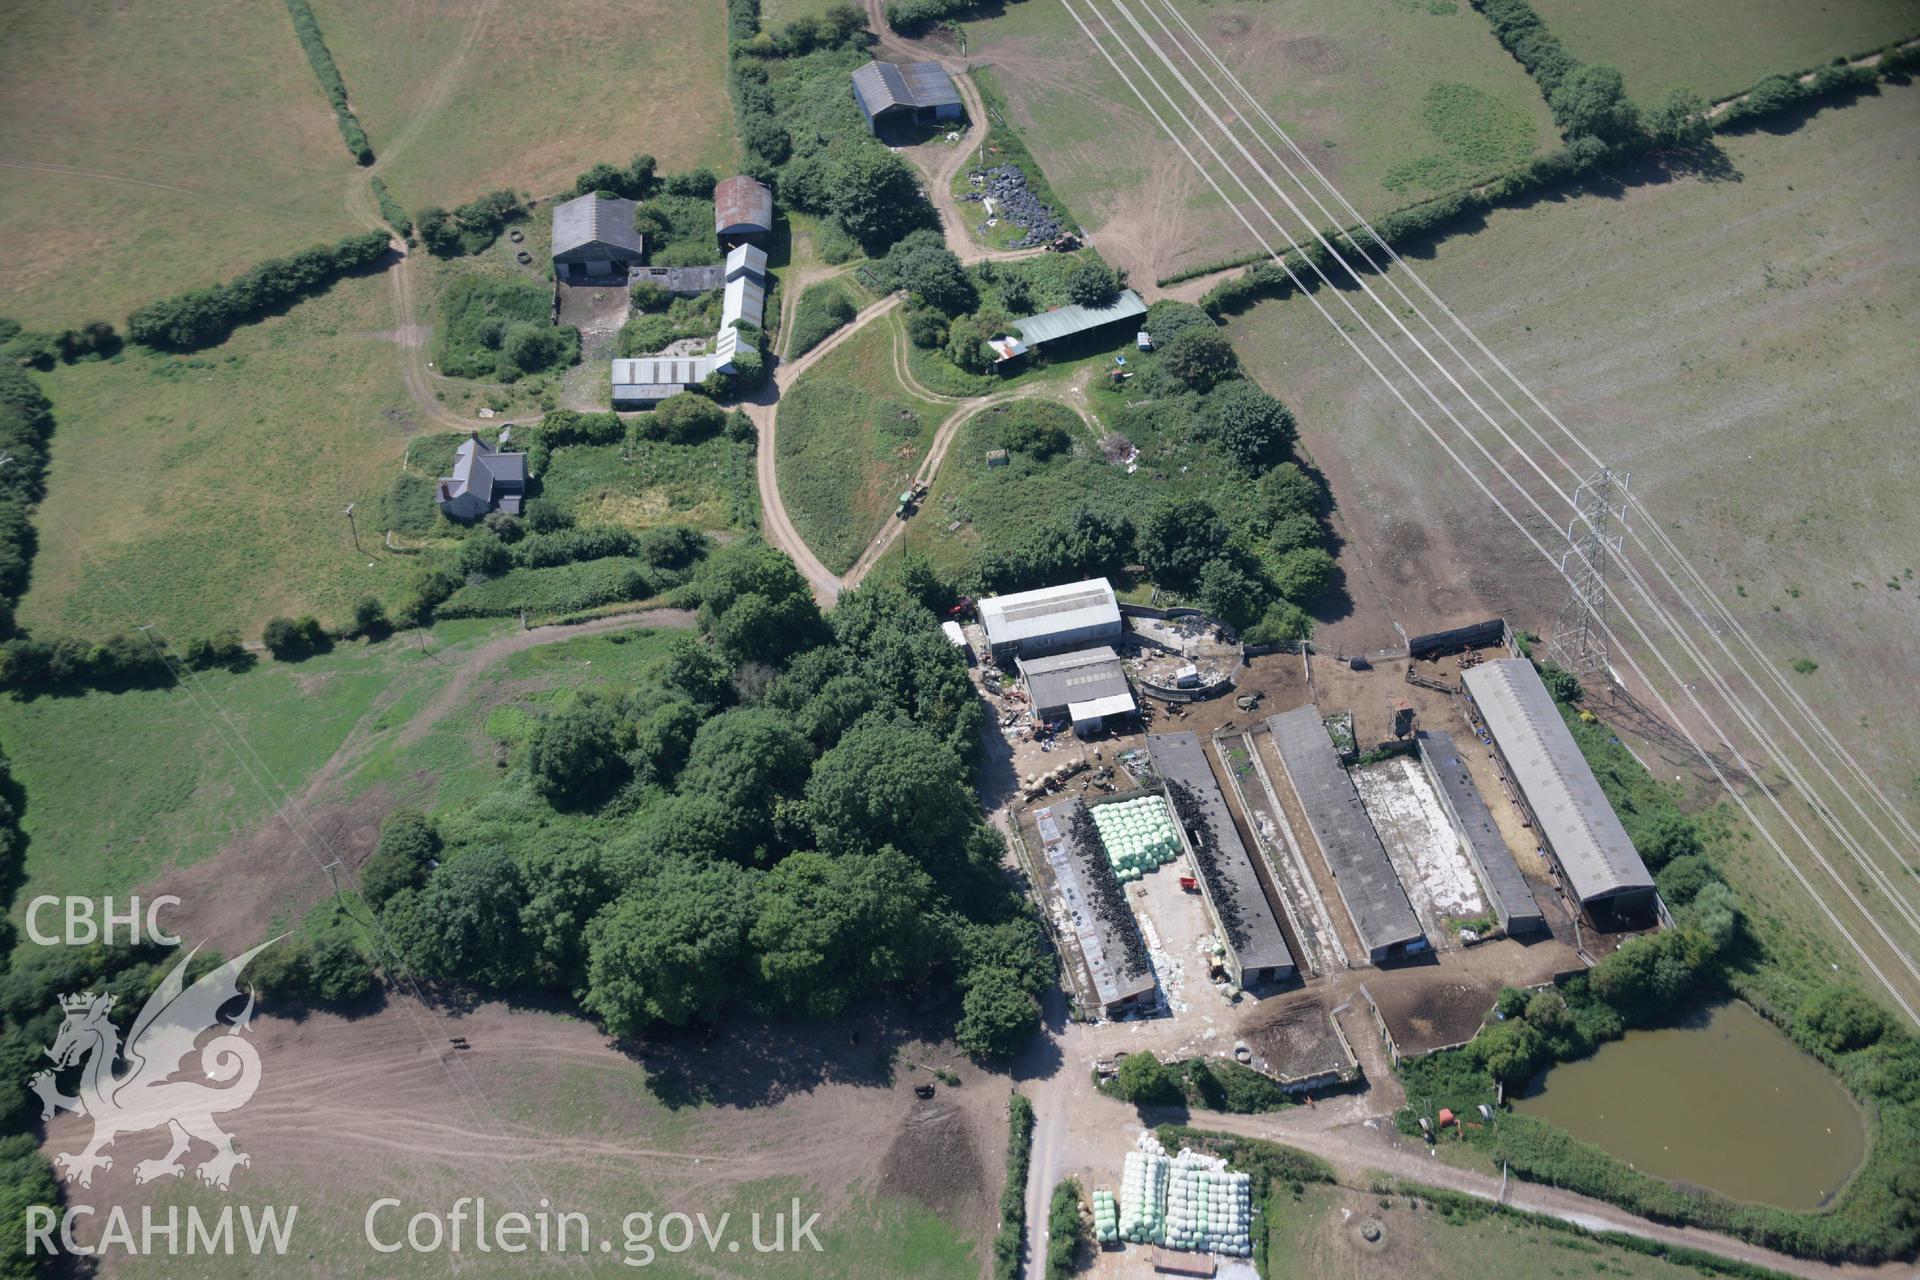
[(1744, 349), (850, 437), (123, 785), (209, 491), (465, 96), (1391, 99), (775, 12), (998, 505), (150, 148), (179, 793), (1721, 49), (1318, 1234)]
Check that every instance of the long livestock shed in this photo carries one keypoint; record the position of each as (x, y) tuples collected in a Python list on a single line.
[(1374, 897), (1257, 951), (1579, 828), (1069, 321), (1070, 616), (1113, 949), (1507, 888)]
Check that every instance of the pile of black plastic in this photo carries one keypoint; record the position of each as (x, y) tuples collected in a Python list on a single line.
[(1110, 900), (1006, 186), (1206, 852)]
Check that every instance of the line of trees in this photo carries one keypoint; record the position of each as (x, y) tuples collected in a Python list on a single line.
[(26, 428), (203, 317), (307, 28)]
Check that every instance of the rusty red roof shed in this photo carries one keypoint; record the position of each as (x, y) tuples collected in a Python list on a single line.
[(742, 206)]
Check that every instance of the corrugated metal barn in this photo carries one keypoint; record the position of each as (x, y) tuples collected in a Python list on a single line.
[(890, 93), (593, 238), (1029, 624), (742, 212), (1087, 686), (1577, 825)]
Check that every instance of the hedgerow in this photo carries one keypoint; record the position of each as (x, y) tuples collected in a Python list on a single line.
[(563, 588), (1010, 1240), (203, 317), (307, 28), (391, 209), (1065, 1229), (823, 309)]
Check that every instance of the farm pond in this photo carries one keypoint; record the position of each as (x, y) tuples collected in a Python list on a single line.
[(1723, 1100)]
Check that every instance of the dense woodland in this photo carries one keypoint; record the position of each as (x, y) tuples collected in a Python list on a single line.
[(780, 819)]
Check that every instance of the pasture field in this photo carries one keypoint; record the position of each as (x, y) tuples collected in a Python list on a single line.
[(1318, 1234), (208, 491), (774, 13), (544, 1113), (1393, 99), (850, 436), (1721, 49), (124, 786), (153, 147), (1744, 349), (461, 97)]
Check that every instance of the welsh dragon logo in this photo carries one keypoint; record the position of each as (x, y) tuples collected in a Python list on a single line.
[(145, 1096)]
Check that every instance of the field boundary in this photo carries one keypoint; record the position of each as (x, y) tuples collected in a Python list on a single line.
[(1432, 219)]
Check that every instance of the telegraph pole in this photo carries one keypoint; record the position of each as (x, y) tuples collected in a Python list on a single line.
[(356, 529)]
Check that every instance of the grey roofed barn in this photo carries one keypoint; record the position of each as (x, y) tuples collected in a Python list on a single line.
[(1067, 616), (1111, 946), (1513, 899), (1374, 897), (1059, 682), (921, 91), (684, 282), (1261, 952), (590, 228), (1582, 832)]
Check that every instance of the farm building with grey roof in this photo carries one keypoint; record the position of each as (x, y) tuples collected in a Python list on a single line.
[(1069, 321), (1369, 888), (1578, 827), (1072, 615), (891, 93), (593, 236)]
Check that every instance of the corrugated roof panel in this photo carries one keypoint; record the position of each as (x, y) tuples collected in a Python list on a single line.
[(1375, 900), (1180, 757), (589, 219), (929, 85), (1070, 606), (1512, 896), (1574, 815), (742, 204), (1064, 322)]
